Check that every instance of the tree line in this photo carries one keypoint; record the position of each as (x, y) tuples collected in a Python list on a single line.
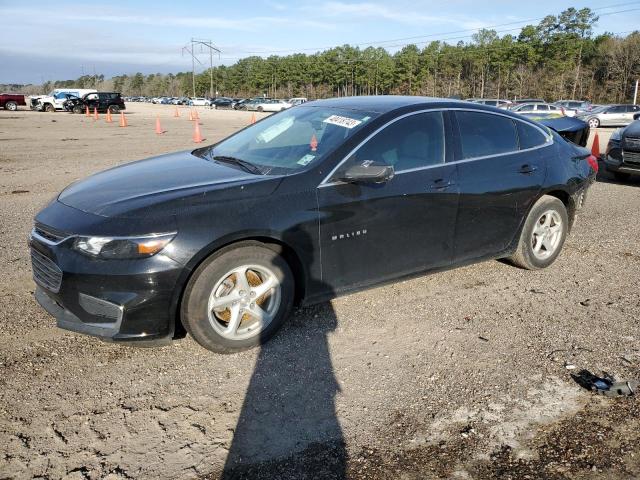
[(560, 57)]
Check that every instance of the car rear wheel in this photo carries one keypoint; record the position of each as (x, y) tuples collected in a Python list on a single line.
[(114, 109), (13, 106), (77, 109), (543, 234), (593, 123), (238, 299), (260, 109)]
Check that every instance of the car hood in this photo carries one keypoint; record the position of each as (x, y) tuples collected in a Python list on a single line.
[(163, 186), (633, 129)]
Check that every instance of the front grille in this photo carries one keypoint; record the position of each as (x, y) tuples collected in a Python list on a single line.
[(49, 233), (631, 157), (632, 143), (45, 272)]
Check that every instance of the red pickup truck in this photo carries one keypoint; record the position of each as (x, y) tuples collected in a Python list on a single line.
[(10, 101)]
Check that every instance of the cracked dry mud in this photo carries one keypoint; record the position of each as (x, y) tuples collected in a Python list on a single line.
[(459, 374)]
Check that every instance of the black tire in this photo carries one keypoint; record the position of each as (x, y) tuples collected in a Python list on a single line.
[(524, 255), (115, 109), (12, 106), (260, 109), (195, 302), (78, 109), (49, 108), (622, 176)]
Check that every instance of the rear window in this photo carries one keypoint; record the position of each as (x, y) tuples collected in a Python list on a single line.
[(484, 134), (529, 136)]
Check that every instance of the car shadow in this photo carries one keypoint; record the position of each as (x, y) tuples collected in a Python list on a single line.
[(288, 427)]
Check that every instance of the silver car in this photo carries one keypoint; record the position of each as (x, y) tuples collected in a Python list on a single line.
[(610, 115), (544, 108)]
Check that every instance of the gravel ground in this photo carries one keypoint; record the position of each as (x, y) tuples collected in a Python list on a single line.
[(460, 374)]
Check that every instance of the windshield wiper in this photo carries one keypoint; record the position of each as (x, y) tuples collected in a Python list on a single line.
[(246, 166)]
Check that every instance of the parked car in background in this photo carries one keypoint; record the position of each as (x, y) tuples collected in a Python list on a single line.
[(622, 157), (367, 181), (249, 103), (181, 101), (55, 100), (538, 108), (573, 107), (636, 116), (101, 101), (297, 101), (610, 115), (199, 102), (272, 105), (222, 102), (11, 101), (519, 101), (494, 102)]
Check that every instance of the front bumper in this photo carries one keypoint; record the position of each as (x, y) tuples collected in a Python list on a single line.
[(116, 300), (615, 161)]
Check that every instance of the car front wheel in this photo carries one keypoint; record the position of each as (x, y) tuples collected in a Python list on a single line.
[(543, 234), (49, 108), (238, 299), (594, 123), (114, 109)]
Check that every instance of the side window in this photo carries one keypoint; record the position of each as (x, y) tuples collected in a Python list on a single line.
[(411, 142), (483, 134), (529, 136), (616, 109), (543, 107), (631, 108)]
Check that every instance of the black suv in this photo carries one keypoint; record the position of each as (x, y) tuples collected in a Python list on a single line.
[(623, 152), (103, 101)]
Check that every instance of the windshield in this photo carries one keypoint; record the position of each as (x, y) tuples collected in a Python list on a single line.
[(291, 140)]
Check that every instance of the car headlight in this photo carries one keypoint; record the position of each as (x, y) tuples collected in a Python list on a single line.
[(617, 135), (122, 247)]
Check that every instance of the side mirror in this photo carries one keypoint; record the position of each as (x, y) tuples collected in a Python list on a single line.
[(368, 172)]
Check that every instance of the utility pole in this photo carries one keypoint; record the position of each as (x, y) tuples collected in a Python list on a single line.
[(193, 65), (207, 44), (635, 92)]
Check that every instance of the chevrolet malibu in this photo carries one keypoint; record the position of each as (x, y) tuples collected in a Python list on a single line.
[(323, 199)]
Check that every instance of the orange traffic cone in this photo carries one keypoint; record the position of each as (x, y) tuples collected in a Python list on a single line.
[(197, 136), (595, 146), (195, 114), (87, 112), (176, 113), (123, 120), (109, 119), (95, 113), (253, 119), (159, 130), (191, 115), (313, 143)]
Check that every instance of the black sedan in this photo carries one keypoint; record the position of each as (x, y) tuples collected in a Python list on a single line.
[(623, 152), (222, 102), (313, 202)]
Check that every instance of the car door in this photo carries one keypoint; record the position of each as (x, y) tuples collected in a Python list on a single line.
[(374, 232), (613, 115), (630, 110), (501, 169)]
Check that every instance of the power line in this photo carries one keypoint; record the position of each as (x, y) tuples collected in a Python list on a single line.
[(380, 42)]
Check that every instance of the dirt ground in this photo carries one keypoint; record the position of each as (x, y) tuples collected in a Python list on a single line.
[(460, 374)]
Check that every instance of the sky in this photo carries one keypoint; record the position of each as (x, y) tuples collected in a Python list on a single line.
[(64, 39)]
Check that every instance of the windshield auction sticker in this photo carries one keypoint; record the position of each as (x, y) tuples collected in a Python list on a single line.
[(345, 122), (306, 160)]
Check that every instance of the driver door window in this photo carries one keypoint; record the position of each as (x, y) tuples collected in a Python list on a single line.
[(413, 142)]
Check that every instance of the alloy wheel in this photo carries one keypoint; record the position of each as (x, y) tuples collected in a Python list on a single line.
[(244, 302), (547, 234)]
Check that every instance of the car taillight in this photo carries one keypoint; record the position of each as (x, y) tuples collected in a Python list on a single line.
[(593, 162)]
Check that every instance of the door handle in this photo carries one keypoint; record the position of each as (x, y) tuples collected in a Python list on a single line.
[(441, 184), (527, 169)]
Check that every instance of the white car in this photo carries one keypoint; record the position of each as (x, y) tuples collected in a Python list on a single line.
[(297, 101), (271, 106), (539, 108), (199, 102)]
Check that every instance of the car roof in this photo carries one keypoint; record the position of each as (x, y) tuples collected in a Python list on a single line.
[(387, 103)]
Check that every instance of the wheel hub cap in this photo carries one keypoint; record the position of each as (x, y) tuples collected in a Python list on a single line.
[(547, 234)]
